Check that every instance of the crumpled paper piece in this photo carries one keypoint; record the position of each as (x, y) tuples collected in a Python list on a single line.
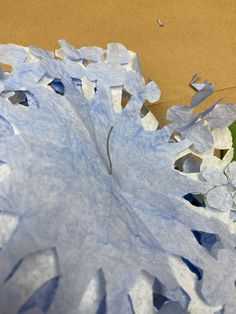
[(103, 211)]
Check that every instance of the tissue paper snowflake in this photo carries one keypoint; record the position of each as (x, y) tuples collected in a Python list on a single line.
[(102, 209)]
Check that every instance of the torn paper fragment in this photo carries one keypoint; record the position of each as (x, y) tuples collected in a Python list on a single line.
[(214, 176), (202, 94), (68, 50), (179, 115), (41, 53), (222, 115), (91, 53), (117, 53), (219, 198), (222, 138), (107, 74), (197, 86), (135, 85), (200, 136), (151, 92)]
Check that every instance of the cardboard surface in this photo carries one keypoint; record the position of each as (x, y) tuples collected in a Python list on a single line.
[(196, 36)]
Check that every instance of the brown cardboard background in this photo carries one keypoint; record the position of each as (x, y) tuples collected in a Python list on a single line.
[(198, 35)]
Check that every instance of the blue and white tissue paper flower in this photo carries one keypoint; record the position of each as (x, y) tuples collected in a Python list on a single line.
[(101, 209)]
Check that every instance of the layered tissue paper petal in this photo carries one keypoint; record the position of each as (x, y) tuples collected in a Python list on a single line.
[(102, 209)]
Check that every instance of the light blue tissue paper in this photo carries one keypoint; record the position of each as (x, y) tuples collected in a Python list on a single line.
[(97, 213)]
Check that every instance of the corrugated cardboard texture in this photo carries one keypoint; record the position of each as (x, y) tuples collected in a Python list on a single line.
[(196, 36)]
